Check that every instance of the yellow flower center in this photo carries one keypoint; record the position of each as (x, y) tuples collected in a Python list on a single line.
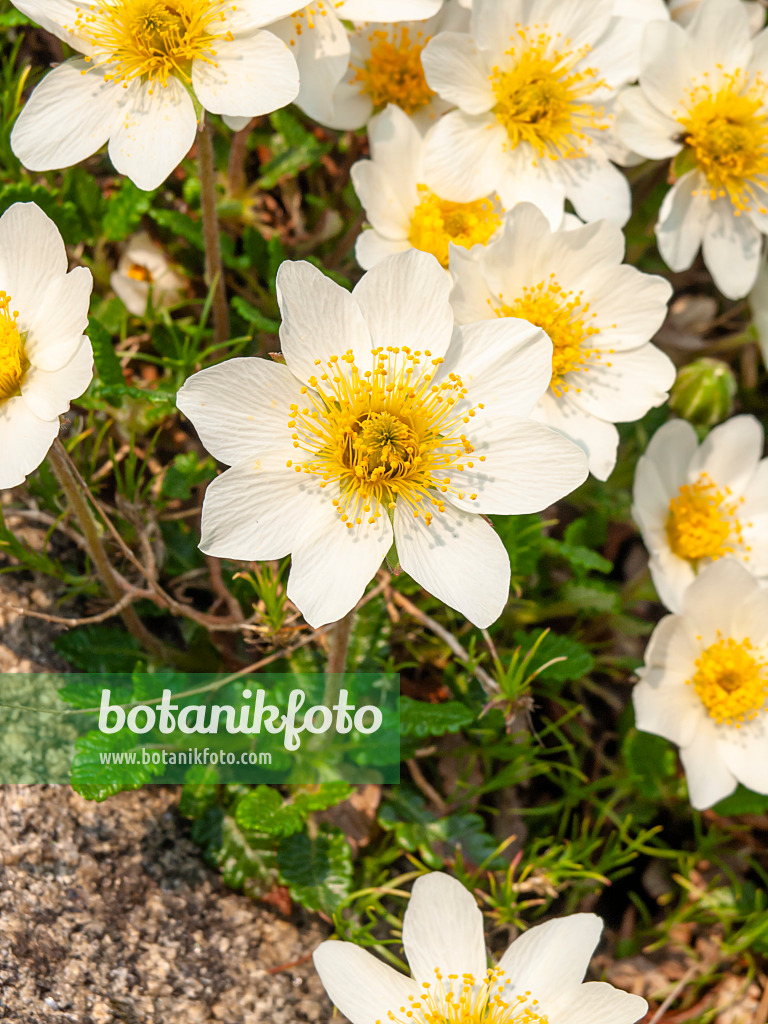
[(564, 316), (137, 272), (384, 435), (152, 39), (541, 97), (13, 362), (393, 73), (730, 679), (726, 131), (702, 521), (462, 1000), (436, 222)]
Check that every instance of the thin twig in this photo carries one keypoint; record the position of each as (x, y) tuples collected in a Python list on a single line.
[(426, 787), (485, 680), (672, 996), (61, 620)]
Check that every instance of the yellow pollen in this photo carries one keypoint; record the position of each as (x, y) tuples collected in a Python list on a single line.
[(726, 133), (13, 362), (463, 1000), (383, 436), (542, 95), (139, 273), (702, 521), (564, 316), (436, 222), (152, 39), (730, 680), (393, 73)]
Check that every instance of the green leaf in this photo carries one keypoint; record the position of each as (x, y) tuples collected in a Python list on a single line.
[(104, 356), (651, 762), (180, 225), (522, 537), (186, 472), (417, 718), (198, 794), (742, 801), (246, 863), (327, 794), (88, 695), (125, 208), (99, 649), (594, 596), (318, 872), (255, 317), (63, 214), (579, 662), (578, 556), (264, 810), (95, 780)]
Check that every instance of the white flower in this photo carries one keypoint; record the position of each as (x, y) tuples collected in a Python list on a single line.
[(695, 503), (705, 683), (385, 58), (683, 11), (147, 63), (45, 360), (534, 83), (144, 268), (385, 418), (600, 315), (403, 212), (758, 304), (702, 99), (537, 981)]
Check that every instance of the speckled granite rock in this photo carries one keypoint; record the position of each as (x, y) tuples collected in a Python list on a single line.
[(107, 914)]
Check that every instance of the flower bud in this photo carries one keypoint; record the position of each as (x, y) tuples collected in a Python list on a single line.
[(703, 392)]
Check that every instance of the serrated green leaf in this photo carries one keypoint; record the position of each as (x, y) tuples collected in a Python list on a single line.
[(579, 662), (186, 472), (594, 596), (181, 225), (255, 317), (96, 780), (125, 208), (327, 794), (246, 863), (522, 537), (651, 762), (318, 872), (417, 718), (199, 791), (63, 214), (99, 648), (578, 556), (104, 356), (264, 810)]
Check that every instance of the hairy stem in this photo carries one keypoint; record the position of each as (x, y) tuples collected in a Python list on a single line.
[(337, 657), (214, 272)]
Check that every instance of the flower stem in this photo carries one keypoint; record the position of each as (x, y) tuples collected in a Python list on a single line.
[(337, 657), (62, 467), (214, 272)]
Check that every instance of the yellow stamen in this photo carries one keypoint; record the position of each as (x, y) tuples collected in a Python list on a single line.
[(393, 73), (702, 521), (139, 273), (542, 96), (564, 316), (436, 222), (13, 362), (730, 680), (462, 1000), (153, 39), (384, 436), (726, 132)]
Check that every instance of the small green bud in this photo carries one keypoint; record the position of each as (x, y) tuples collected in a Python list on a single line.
[(703, 392)]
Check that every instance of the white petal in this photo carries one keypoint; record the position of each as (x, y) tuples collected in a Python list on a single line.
[(320, 319), (644, 128), (670, 450), (465, 156), (455, 68), (363, 988), (67, 118), (241, 407), (667, 68), (527, 467), (332, 564), (622, 387), (709, 778), (598, 439), (48, 393), (236, 124), (155, 132), (24, 441), (388, 10), (730, 453), (458, 558), (731, 250), (53, 15), (745, 752), (630, 306), (598, 1001), (523, 182), (443, 928), (371, 248), (56, 325), (673, 646), (672, 711), (682, 219), (246, 18), (713, 600), (387, 208), (471, 297), (598, 190), (672, 576), (720, 35), (505, 363), (252, 75), (405, 301), (553, 956), (258, 509)]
